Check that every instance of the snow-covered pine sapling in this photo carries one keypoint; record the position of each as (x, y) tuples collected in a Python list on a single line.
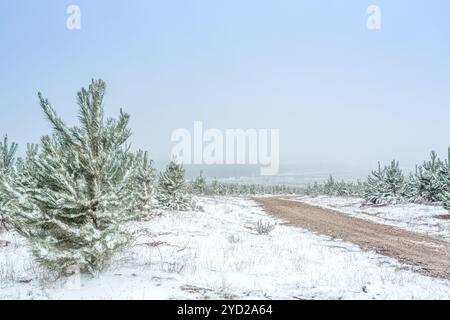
[(172, 190), (69, 198), (395, 180), (385, 185), (7, 162), (411, 186), (433, 179), (376, 191), (141, 186), (329, 186), (199, 185)]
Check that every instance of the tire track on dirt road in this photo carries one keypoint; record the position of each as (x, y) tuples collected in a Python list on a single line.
[(431, 254)]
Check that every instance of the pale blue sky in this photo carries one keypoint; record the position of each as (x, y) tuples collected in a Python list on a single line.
[(337, 91)]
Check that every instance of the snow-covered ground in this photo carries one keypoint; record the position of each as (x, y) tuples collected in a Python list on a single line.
[(215, 253), (418, 218)]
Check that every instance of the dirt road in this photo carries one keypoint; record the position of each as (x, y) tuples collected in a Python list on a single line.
[(432, 255)]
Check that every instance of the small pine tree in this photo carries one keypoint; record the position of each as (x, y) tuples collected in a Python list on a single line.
[(394, 180), (68, 197), (7, 161), (329, 186), (385, 185), (317, 189), (142, 185), (215, 187), (199, 185), (172, 193), (432, 179), (411, 186)]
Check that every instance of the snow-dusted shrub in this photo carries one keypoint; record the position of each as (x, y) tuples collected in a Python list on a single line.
[(172, 189), (68, 198), (264, 228)]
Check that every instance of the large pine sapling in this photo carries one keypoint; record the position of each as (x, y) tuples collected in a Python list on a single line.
[(7, 161), (172, 191), (69, 198)]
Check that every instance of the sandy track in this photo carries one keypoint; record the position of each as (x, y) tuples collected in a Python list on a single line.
[(432, 255)]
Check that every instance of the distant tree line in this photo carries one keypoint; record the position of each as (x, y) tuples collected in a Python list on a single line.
[(200, 186), (429, 183)]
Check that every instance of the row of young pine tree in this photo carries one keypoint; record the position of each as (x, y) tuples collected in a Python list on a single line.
[(199, 186), (71, 195), (429, 183)]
